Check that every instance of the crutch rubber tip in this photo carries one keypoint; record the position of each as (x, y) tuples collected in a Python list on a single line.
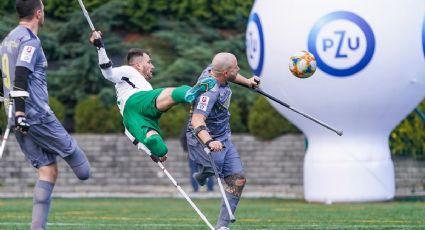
[(233, 220), (339, 133)]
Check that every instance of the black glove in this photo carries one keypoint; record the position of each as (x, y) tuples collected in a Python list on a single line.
[(21, 124), (98, 43)]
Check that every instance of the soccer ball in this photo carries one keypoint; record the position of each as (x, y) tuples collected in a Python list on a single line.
[(302, 64)]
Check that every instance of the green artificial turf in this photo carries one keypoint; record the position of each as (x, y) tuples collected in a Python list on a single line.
[(169, 213)]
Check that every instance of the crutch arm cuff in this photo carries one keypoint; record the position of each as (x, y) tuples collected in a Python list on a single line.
[(198, 129)]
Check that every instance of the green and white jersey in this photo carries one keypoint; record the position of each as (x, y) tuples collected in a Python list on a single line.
[(128, 81)]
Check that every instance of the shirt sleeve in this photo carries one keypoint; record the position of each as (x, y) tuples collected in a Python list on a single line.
[(27, 54), (205, 102), (115, 75)]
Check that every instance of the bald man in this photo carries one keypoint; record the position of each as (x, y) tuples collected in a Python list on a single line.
[(210, 121)]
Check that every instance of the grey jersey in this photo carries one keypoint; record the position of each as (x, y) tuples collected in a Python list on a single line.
[(214, 105), (23, 48)]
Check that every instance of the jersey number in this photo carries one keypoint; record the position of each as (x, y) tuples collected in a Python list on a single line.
[(6, 71)]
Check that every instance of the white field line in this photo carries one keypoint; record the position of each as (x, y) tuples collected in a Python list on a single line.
[(234, 226)]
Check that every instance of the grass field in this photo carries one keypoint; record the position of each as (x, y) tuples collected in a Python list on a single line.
[(168, 213)]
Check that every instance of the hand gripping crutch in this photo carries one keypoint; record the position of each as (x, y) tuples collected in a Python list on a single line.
[(339, 132), (220, 185), (142, 147), (7, 131), (12, 95)]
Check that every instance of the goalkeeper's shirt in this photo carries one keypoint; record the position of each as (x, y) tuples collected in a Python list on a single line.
[(128, 81)]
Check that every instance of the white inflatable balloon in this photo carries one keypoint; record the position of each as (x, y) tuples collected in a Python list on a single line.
[(371, 74)]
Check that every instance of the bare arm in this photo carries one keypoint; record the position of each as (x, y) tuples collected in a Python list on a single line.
[(251, 82), (199, 120)]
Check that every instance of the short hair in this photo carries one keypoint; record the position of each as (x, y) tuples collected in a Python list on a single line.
[(26, 8), (135, 53)]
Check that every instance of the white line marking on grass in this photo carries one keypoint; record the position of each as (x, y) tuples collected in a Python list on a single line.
[(234, 226)]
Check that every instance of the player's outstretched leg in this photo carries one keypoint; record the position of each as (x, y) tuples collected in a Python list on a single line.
[(203, 85), (183, 94)]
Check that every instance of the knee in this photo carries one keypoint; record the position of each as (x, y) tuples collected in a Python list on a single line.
[(156, 145), (241, 181), (49, 173), (235, 183)]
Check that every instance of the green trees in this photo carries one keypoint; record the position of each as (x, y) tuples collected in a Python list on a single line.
[(266, 123), (92, 116), (408, 139)]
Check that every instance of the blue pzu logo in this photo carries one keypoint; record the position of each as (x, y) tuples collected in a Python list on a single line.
[(255, 44), (342, 42)]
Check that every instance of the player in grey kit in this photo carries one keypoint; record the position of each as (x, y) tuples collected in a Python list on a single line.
[(39, 133), (209, 120)]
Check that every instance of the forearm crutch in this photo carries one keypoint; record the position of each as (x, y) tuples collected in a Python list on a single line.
[(220, 185), (142, 147), (7, 131), (10, 100)]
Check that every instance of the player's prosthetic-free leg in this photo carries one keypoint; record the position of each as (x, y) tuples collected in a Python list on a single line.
[(235, 183), (41, 204), (220, 186)]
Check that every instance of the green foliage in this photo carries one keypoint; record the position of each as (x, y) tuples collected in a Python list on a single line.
[(183, 41), (408, 139), (147, 15), (237, 123), (93, 117), (7, 23), (266, 123), (58, 108), (174, 120), (7, 8), (78, 75)]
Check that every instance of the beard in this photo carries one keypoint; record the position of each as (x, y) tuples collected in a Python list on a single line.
[(148, 75), (41, 22), (232, 77)]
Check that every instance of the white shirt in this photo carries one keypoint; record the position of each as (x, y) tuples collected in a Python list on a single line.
[(128, 81)]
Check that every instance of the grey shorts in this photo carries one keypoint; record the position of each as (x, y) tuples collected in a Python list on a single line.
[(44, 142), (228, 161)]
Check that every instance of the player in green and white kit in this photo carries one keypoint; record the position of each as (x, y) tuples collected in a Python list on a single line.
[(140, 105)]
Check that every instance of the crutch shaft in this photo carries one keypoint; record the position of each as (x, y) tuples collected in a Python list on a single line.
[(143, 148), (339, 132), (185, 195), (7, 131), (87, 16)]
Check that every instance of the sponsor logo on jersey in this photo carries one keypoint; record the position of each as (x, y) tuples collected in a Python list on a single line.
[(27, 53), (203, 103)]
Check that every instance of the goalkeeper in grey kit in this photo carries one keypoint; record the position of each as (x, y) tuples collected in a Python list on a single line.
[(140, 105)]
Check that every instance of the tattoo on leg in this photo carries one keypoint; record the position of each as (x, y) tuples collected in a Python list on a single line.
[(235, 184)]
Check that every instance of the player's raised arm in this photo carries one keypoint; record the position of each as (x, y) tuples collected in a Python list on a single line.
[(252, 82), (105, 63)]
